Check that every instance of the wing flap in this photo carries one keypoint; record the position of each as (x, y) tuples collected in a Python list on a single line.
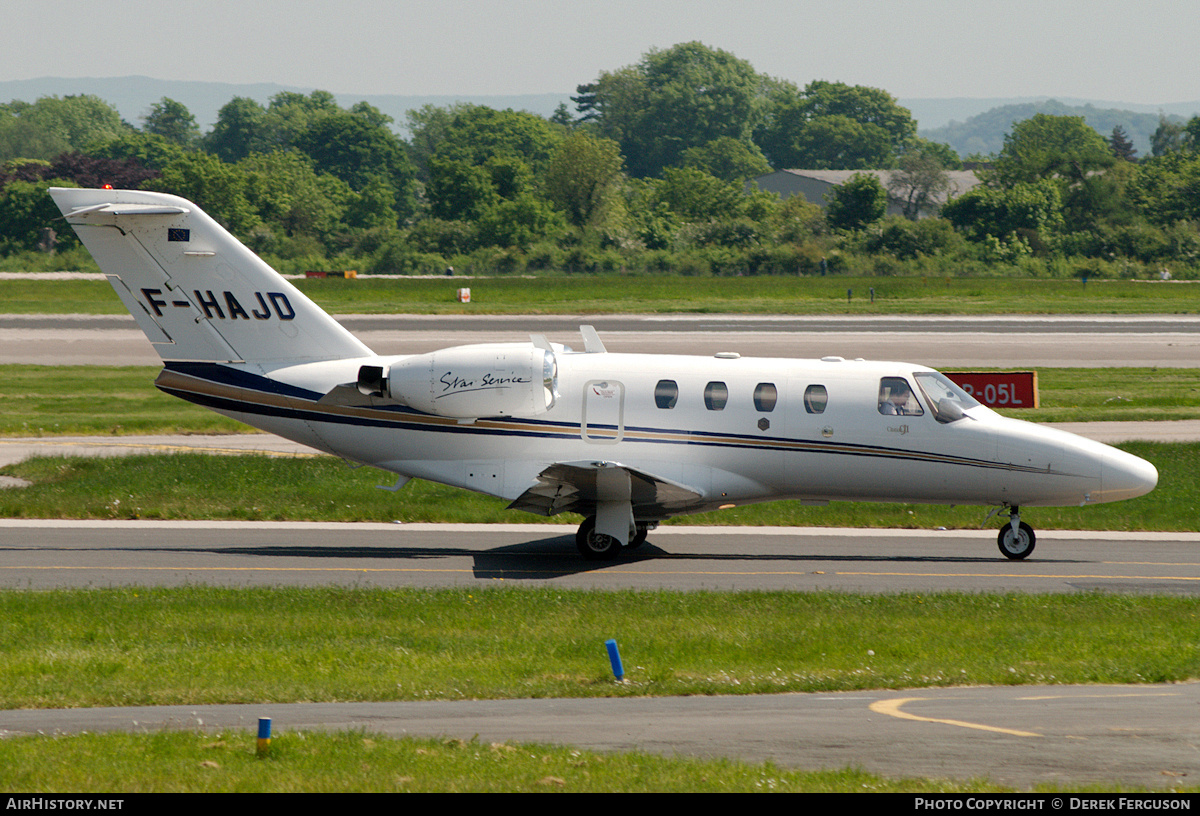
[(578, 486)]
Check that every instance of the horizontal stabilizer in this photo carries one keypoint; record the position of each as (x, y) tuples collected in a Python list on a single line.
[(114, 208)]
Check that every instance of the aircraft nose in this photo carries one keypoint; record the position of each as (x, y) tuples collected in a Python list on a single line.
[(1125, 476)]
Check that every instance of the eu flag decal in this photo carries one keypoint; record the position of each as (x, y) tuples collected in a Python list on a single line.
[(178, 234)]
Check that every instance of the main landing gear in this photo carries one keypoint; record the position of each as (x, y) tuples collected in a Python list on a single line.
[(596, 546), (1016, 538)]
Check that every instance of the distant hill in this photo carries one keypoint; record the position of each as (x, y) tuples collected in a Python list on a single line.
[(133, 95), (984, 131), (932, 114)]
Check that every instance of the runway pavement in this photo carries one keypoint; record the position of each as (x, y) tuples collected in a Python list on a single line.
[(943, 342), (47, 554)]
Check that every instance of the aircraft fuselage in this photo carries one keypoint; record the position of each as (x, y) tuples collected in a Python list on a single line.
[(733, 450)]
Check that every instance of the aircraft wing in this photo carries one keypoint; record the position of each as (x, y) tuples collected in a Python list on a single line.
[(578, 486)]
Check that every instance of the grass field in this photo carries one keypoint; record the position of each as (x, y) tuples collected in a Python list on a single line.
[(142, 646), (666, 294)]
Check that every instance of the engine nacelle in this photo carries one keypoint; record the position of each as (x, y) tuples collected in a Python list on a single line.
[(466, 382)]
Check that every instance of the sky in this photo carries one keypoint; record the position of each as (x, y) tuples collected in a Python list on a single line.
[(1140, 52)]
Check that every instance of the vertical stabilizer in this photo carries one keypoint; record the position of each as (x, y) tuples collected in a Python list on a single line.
[(196, 291)]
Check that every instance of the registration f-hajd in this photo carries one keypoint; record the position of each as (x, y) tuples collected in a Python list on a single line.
[(280, 306), (626, 440)]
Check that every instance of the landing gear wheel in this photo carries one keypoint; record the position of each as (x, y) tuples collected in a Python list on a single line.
[(639, 538), (595, 546), (1016, 546)]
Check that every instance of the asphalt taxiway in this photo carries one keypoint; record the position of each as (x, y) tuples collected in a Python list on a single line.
[(942, 342), (1017, 736), (46, 554)]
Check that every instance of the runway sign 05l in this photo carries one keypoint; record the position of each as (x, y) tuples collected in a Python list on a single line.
[(999, 389)]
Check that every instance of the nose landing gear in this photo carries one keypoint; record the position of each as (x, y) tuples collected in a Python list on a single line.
[(1016, 539)]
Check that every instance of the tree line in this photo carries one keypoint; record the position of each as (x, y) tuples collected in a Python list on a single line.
[(645, 174)]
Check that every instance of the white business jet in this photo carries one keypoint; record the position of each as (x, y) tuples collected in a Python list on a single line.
[(626, 440)]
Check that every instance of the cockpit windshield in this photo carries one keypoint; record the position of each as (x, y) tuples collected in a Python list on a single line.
[(947, 400)]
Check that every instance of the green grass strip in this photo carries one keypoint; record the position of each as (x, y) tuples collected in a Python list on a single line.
[(318, 762), (632, 294), (97, 400), (203, 645)]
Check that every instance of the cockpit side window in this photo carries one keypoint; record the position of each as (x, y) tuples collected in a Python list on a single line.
[(947, 400), (896, 398), (666, 394), (815, 399)]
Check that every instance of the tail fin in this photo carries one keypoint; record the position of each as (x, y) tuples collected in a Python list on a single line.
[(196, 291)]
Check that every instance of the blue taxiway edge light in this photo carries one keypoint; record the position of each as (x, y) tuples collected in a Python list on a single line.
[(614, 657), (264, 735)]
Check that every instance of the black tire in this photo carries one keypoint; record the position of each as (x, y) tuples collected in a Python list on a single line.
[(595, 546), (1019, 546), (639, 538)]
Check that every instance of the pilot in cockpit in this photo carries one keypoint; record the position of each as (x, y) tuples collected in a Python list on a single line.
[(896, 398)]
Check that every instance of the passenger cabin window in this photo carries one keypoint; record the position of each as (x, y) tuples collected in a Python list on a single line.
[(896, 398), (815, 399), (715, 396), (765, 397), (666, 394)]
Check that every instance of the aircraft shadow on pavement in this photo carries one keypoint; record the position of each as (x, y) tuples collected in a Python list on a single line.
[(540, 558), (533, 560)]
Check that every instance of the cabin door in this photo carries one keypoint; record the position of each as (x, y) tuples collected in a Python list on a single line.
[(603, 420)]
